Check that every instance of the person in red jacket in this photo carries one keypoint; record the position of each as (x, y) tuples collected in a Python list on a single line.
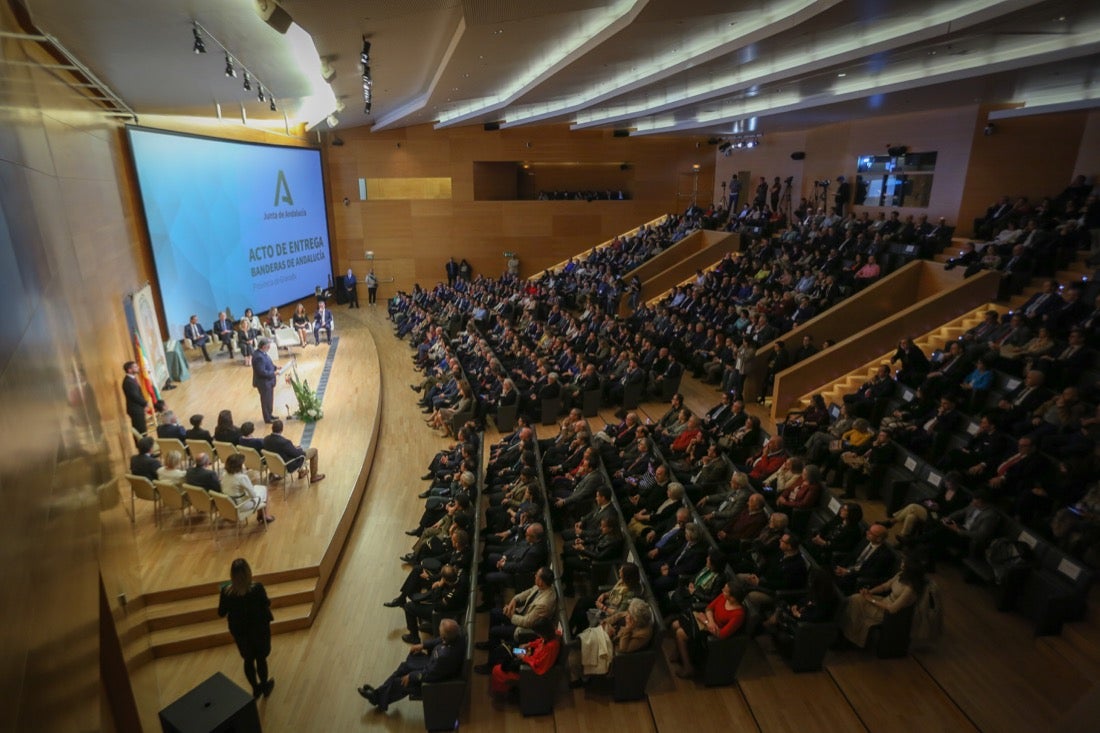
[(802, 494), (771, 458), (540, 655)]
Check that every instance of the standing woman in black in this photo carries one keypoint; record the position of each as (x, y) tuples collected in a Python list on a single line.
[(249, 612)]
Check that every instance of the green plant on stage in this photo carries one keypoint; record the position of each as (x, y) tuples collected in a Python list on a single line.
[(309, 404)]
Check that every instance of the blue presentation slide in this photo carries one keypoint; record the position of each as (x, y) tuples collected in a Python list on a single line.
[(232, 224)]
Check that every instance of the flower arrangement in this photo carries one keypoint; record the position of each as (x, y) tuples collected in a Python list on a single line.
[(309, 404)]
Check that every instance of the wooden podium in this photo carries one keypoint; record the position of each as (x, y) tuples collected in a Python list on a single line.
[(214, 706)]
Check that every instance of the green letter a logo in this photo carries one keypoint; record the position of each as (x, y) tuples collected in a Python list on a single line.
[(282, 191)]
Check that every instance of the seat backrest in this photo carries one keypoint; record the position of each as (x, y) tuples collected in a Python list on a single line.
[(142, 487), (224, 449), (198, 447), (167, 445), (275, 463), (225, 506), (252, 458), (198, 497), (170, 494)]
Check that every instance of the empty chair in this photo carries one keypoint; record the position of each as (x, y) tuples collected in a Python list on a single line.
[(551, 408), (591, 401), (506, 417), (632, 395), (231, 512), (172, 497), (142, 488)]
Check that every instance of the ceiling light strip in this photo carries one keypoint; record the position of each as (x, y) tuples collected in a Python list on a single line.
[(840, 48), (703, 48), (597, 30), (421, 101), (1021, 54)]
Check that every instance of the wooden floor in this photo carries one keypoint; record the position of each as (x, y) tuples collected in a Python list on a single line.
[(988, 673)]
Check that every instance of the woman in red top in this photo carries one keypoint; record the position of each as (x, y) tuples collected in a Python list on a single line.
[(540, 655), (723, 616)]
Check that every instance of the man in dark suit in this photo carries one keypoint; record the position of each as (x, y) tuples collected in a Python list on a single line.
[(294, 456), (447, 596), (322, 321), (202, 475), (144, 464), (136, 403), (436, 660), (521, 558), (264, 373), (197, 431), (223, 329), (1022, 401), (247, 440), (580, 556), (869, 564), (198, 336), (685, 563), (170, 427)]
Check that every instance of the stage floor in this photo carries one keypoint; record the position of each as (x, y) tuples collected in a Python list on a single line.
[(183, 552)]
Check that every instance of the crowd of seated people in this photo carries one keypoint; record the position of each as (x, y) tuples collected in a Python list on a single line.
[(242, 334), (435, 593), (242, 486), (1034, 448), (1019, 238), (589, 195)]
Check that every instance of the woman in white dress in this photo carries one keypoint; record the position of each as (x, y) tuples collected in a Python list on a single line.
[(239, 488), (869, 607)]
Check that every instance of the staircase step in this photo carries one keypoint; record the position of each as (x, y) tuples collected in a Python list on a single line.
[(203, 608), (210, 633)]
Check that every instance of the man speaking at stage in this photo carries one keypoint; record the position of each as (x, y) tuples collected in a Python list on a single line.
[(264, 373)]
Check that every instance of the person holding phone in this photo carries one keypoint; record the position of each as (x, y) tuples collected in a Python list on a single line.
[(539, 655)]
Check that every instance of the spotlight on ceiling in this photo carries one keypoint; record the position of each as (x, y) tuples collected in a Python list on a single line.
[(260, 92), (272, 105), (328, 73), (200, 46), (364, 55), (332, 121), (229, 70), (247, 82)]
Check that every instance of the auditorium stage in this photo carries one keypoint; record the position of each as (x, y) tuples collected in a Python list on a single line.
[(181, 560)]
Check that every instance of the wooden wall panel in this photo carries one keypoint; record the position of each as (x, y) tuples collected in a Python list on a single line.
[(70, 256), (1088, 154), (541, 232), (1031, 156), (831, 150), (1025, 156)]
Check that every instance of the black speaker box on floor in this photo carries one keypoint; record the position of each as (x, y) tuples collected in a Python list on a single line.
[(214, 706)]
